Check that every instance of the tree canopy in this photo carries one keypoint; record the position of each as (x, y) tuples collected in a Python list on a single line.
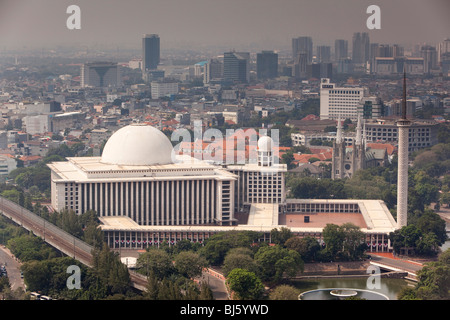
[(434, 281), (245, 284)]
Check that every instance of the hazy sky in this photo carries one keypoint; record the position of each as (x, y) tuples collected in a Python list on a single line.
[(25, 23)]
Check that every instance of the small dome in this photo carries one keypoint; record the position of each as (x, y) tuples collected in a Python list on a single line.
[(265, 144), (137, 145)]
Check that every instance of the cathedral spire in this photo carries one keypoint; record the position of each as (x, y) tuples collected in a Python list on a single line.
[(339, 131), (358, 140), (364, 138)]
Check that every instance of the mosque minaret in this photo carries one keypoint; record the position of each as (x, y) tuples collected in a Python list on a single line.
[(403, 125)]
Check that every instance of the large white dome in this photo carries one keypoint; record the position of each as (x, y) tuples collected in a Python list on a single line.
[(137, 145), (265, 144)]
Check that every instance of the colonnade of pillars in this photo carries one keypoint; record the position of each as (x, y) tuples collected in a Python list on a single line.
[(144, 239), (168, 202)]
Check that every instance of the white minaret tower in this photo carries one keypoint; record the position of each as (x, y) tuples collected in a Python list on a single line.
[(265, 151), (403, 125)]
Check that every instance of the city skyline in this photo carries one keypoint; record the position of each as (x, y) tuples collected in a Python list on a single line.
[(267, 24)]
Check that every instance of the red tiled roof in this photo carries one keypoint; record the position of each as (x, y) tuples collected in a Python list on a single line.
[(30, 158), (389, 147)]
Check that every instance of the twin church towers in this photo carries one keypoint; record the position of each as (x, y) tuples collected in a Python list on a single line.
[(347, 160)]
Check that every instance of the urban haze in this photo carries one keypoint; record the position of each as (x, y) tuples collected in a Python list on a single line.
[(234, 23)]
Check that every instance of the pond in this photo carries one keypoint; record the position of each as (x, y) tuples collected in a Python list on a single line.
[(388, 287)]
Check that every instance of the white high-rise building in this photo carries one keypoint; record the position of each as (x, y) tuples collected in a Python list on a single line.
[(161, 89), (38, 124), (339, 102)]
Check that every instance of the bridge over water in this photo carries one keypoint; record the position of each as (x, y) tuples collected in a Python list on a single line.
[(388, 262)]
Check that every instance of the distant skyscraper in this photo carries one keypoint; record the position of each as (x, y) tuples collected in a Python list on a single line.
[(213, 70), (150, 52), (340, 49), (361, 48), (302, 45), (443, 49), (267, 65), (100, 74), (300, 66), (445, 63), (429, 54), (397, 51), (380, 51), (345, 66), (323, 54), (319, 70), (236, 66)]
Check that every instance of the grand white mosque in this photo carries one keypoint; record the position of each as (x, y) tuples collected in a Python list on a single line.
[(144, 195)]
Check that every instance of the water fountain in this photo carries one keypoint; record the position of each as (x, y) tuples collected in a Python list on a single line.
[(341, 294)]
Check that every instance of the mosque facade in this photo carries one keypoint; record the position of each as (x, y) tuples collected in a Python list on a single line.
[(145, 195)]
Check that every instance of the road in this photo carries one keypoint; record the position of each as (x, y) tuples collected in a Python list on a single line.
[(216, 282), (12, 267)]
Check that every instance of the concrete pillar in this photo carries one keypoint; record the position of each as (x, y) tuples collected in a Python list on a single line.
[(157, 211), (182, 203), (172, 202), (197, 203), (208, 211), (85, 197), (127, 207), (147, 203), (177, 207)]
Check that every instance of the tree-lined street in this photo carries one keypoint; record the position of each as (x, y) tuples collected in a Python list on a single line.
[(12, 267)]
